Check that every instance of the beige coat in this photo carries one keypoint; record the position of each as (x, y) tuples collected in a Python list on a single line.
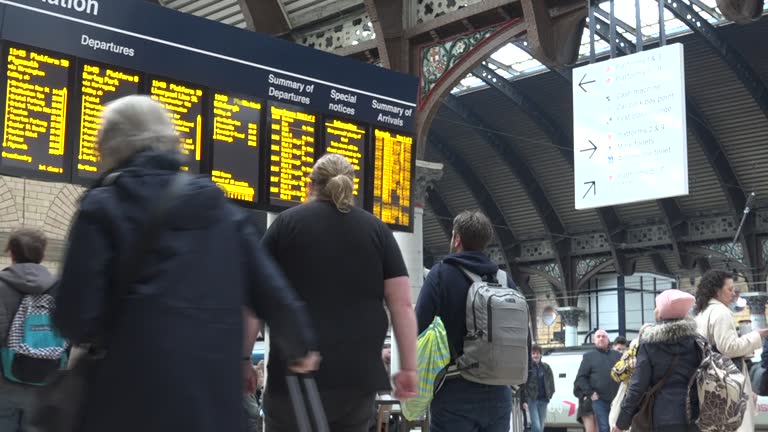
[(716, 324)]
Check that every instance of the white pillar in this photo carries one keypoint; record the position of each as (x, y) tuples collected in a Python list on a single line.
[(412, 248), (412, 244), (570, 317)]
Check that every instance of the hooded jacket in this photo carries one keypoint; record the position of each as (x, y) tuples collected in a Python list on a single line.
[(659, 346), (444, 294), (175, 341), (17, 281)]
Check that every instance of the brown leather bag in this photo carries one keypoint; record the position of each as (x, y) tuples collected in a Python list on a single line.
[(643, 420)]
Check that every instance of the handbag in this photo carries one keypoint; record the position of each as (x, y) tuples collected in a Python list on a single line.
[(643, 420), (59, 406)]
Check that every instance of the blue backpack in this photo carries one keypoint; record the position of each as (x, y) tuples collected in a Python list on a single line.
[(34, 349)]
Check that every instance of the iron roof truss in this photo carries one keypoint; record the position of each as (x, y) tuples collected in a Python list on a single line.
[(521, 170), (730, 55), (726, 175), (610, 221), (670, 209), (509, 244), (440, 210), (266, 16)]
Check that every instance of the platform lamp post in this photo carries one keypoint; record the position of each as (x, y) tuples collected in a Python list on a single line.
[(570, 316)]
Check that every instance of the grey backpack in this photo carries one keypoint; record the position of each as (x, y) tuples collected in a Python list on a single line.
[(496, 343)]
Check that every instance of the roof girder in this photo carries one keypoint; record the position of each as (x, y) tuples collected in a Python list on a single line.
[(265, 16), (507, 241)]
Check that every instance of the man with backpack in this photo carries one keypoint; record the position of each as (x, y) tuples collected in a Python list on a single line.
[(24, 280), (474, 300)]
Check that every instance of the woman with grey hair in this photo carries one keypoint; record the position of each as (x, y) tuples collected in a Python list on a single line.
[(171, 321)]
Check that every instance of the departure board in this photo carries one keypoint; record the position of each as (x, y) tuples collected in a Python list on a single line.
[(185, 105), (236, 127), (34, 127), (99, 85), (348, 139), (291, 155), (392, 168)]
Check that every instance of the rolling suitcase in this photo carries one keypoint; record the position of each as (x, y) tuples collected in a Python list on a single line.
[(303, 391)]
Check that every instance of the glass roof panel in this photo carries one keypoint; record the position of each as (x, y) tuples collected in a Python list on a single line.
[(519, 63)]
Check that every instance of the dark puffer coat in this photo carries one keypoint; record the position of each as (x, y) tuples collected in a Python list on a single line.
[(175, 343), (659, 346)]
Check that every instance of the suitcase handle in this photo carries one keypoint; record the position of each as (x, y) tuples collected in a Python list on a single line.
[(299, 396)]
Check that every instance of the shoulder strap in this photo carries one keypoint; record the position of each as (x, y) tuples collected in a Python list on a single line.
[(501, 276), (663, 381), (150, 231), (473, 277), (710, 335), (148, 234)]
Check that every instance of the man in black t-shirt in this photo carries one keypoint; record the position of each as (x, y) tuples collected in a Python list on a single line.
[(344, 263)]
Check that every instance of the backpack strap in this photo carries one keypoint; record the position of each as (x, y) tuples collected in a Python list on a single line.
[(147, 236), (737, 361), (666, 376), (473, 277), (501, 276)]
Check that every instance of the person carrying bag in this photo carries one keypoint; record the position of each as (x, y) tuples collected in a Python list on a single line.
[(160, 268), (58, 407)]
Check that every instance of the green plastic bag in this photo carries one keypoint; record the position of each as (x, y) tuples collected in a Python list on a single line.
[(432, 355)]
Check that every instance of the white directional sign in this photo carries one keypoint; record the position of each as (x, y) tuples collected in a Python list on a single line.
[(630, 141)]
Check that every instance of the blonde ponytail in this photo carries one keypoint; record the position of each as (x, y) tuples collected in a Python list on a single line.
[(333, 179), (341, 191)]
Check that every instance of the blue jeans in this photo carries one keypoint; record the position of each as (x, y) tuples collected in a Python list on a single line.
[(13, 402), (602, 411), (537, 409), (464, 406)]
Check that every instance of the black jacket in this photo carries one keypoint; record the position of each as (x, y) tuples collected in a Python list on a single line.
[(595, 375), (532, 387), (444, 294), (175, 343), (658, 348)]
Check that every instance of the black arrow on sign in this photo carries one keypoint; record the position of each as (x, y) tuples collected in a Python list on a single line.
[(582, 83), (593, 149), (592, 187)]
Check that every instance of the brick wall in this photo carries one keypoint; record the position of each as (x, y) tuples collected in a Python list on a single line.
[(44, 205)]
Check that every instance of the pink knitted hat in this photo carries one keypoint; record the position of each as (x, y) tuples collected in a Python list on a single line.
[(674, 304)]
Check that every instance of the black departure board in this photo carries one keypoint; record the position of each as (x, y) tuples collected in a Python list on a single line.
[(348, 139), (99, 85), (184, 103), (236, 127), (291, 155), (34, 127), (392, 169)]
